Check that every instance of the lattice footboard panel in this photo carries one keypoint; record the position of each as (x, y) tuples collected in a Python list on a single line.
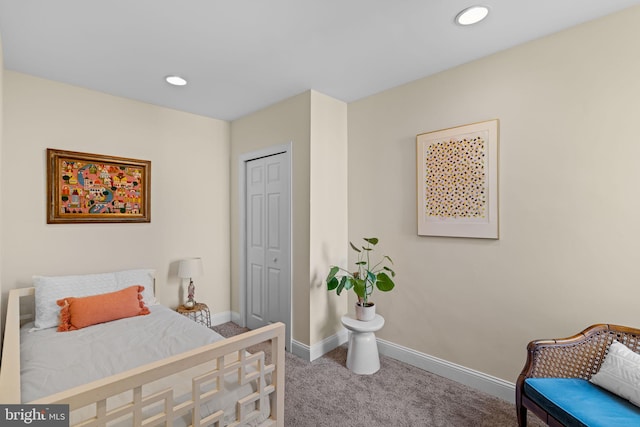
[(231, 388)]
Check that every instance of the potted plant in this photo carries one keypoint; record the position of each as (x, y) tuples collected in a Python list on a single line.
[(365, 279)]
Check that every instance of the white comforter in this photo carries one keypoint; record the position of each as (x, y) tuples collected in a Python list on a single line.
[(53, 361)]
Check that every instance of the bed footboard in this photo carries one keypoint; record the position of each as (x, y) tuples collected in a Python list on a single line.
[(224, 359), (10, 365)]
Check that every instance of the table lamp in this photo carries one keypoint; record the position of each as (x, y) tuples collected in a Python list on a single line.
[(188, 269)]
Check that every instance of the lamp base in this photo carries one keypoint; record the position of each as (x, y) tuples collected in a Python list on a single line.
[(189, 303)]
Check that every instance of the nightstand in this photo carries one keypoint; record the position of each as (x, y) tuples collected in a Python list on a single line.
[(199, 313)]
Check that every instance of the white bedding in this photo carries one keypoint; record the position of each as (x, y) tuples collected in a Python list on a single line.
[(53, 361)]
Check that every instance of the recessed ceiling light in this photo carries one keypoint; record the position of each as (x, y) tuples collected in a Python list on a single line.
[(175, 80), (472, 15)]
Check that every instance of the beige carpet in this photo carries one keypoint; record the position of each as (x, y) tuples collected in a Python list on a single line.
[(325, 393)]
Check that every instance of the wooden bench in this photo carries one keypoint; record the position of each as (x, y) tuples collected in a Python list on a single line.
[(574, 401)]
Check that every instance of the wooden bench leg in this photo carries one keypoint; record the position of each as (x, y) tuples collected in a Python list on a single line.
[(521, 413)]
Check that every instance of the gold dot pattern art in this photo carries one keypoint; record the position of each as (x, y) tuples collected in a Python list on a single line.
[(456, 178)]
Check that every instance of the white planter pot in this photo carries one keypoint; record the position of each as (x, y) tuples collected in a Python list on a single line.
[(366, 312)]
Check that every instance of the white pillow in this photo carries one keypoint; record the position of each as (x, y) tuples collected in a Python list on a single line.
[(49, 289), (620, 373), (144, 277)]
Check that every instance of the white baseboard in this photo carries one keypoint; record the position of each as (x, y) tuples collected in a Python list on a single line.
[(489, 384), (235, 318), (301, 350), (463, 375), (310, 353), (220, 318)]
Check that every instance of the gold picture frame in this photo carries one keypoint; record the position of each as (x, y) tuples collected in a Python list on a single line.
[(95, 188), (457, 181)]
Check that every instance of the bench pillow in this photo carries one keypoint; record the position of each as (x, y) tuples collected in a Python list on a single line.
[(620, 373)]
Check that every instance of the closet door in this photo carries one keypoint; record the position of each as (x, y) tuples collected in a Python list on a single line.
[(268, 241)]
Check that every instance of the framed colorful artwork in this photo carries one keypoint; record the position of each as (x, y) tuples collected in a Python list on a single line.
[(86, 188), (457, 181)]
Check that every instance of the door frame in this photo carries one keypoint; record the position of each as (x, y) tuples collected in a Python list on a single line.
[(242, 190)]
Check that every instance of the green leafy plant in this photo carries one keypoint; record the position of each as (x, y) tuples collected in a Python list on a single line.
[(368, 275)]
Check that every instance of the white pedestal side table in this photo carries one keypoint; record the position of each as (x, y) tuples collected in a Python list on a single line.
[(362, 356)]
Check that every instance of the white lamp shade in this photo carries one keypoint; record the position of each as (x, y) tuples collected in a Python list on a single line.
[(190, 267)]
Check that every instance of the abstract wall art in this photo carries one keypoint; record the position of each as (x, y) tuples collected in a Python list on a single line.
[(457, 181), (85, 188)]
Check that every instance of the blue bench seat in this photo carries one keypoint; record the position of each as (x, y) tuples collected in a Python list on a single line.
[(577, 402)]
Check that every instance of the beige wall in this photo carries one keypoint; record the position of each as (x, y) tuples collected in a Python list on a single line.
[(189, 190), (285, 122), (328, 214), (1, 194), (569, 230)]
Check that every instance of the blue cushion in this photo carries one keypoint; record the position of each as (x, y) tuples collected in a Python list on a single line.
[(577, 402)]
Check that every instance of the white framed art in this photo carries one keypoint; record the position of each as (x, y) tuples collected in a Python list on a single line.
[(457, 181)]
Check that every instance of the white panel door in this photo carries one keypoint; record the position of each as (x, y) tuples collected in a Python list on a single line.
[(268, 293)]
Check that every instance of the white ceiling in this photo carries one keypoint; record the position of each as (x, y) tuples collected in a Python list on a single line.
[(242, 55)]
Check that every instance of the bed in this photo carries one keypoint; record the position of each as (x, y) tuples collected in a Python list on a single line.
[(160, 368)]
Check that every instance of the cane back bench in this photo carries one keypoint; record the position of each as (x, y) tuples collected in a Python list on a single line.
[(578, 358)]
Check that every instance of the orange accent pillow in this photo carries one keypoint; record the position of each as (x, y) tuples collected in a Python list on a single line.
[(79, 313)]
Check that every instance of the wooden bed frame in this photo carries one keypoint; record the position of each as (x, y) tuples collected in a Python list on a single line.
[(231, 355)]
